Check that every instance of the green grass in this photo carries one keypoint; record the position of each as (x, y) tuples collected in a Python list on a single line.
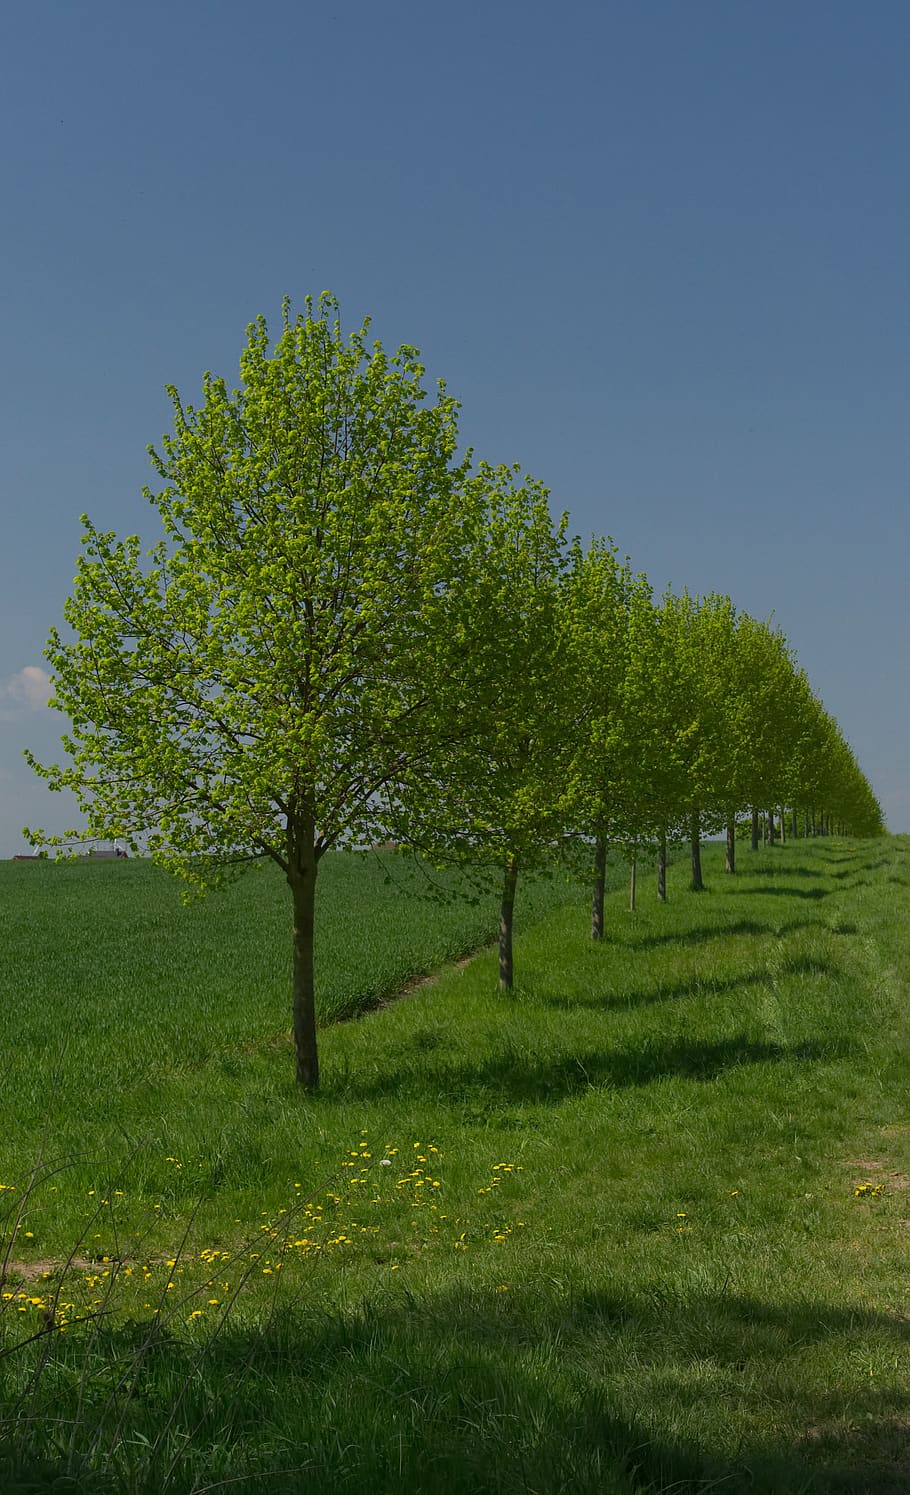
[(116, 991), (646, 1266)]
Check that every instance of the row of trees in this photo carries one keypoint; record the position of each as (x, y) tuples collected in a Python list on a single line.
[(347, 634)]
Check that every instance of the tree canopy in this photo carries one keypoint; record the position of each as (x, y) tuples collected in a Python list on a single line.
[(257, 683)]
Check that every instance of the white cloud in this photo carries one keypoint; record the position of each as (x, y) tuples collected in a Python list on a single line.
[(27, 690)]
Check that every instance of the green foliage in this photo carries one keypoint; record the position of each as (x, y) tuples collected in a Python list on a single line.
[(255, 682), (342, 635), (499, 789), (603, 605)]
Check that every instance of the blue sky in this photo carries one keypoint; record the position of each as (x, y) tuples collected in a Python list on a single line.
[(658, 251)]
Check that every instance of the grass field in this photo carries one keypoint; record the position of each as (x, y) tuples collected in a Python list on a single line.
[(642, 1226), (117, 992)]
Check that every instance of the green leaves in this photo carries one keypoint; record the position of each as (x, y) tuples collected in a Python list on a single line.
[(272, 657), (496, 790), (343, 634)]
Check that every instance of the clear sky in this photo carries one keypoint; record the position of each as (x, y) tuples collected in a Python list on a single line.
[(659, 251)]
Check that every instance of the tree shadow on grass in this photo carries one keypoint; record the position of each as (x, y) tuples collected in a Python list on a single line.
[(720, 931), (696, 936), (810, 893), (694, 986), (515, 1076), (494, 1392), (622, 1001)]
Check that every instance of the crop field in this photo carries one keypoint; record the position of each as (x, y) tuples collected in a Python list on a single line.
[(117, 991), (639, 1226)]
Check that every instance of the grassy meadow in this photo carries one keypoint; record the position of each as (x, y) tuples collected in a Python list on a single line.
[(640, 1226)]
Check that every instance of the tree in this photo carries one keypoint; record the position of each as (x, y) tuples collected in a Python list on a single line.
[(602, 600), (824, 775), (650, 748), (495, 796), (257, 685), (680, 661)]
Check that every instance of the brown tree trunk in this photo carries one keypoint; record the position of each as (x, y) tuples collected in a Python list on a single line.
[(782, 825), (632, 879), (755, 830), (730, 863), (662, 869), (597, 897), (506, 910), (805, 825), (770, 827), (695, 834), (302, 880)]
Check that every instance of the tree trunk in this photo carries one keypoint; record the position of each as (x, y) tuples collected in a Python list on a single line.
[(597, 898), (795, 824), (770, 827), (695, 831), (730, 863), (506, 910), (662, 869), (632, 877), (782, 825), (303, 894), (805, 824), (755, 830)]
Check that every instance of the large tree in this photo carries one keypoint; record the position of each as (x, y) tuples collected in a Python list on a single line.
[(256, 684)]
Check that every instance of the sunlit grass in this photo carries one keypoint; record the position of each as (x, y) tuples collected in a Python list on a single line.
[(640, 1226)]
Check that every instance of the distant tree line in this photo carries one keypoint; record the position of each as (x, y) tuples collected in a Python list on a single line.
[(348, 634)]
